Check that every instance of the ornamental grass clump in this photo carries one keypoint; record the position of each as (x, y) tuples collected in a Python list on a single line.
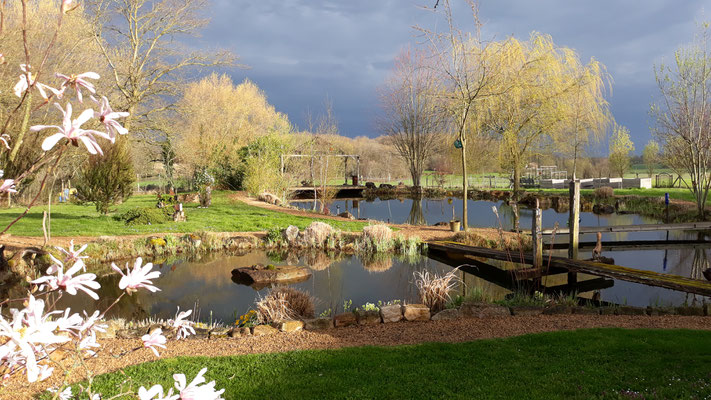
[(376, 238), (284, 303), (316, 233), (434, 289)]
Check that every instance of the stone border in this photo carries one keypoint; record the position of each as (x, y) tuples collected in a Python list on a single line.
[(408, 313)]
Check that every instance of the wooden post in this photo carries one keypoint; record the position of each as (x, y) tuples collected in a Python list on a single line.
[(281, 159), (574, 227), (537, 237)]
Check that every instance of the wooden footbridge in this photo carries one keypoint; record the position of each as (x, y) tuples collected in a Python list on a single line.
[(687, 226), (457, 253)]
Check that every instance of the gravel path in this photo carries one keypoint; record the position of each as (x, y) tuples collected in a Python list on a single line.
[(461, 330)]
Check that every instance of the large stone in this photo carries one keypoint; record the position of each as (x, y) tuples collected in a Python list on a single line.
[(392, 313), (262, 330), (128, 334), (289, 326), (526, 310), (261, 274), (219, 333), (586, 311), (416, 312), (450, 313), (346, 215), (291, 234), (629, 310), (557, 310), (112, 327), (239, 332), (318, 324), (345, 319), (483, 310), (371, 317), (690, 311)]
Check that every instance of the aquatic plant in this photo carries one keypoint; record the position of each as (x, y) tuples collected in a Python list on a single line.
[(604, 192), (368, 307), (284, 303), (434, 289), (376, 238), (316, 233)]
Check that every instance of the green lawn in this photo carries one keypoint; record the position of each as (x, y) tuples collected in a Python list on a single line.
[(674, 193), (584, 364), (224, 215)]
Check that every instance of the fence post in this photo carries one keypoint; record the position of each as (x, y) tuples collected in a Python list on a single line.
[(537, 236), (574, 228)]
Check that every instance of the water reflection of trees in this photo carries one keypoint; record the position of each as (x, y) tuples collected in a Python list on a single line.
[(417, 215)]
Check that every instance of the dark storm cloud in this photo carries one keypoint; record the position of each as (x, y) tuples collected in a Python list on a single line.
[(300, 51)]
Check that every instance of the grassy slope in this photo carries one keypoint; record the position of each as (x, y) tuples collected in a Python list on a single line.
[(225, 215), (598, 363)]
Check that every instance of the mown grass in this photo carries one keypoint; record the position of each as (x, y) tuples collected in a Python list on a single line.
[(674, 193), (584, 364), (225, 215)]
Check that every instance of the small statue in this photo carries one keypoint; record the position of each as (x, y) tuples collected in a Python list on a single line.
[(597, 251)]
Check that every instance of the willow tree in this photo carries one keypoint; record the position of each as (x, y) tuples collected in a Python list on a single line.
[(620, 148), (470, 71), (411, 118), (551, 96), (683, 116)]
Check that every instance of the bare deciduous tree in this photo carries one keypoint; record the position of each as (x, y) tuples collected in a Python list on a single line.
[(683, 124), (412, 119)]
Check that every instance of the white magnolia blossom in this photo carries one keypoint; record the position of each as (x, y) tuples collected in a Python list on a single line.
[(183, 326), (66, 281), (78, 82), (138, 277), (72, 131)]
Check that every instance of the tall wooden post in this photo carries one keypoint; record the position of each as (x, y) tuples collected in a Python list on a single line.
[(574, 227), (537, 236)]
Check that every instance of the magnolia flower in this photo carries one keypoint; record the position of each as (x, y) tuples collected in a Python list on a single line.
[(153, 340), (28, 329), (69, 323), (8, 185), (65, 394), (91, 324), (108, 117), (493, 208), (67, 6), (195, 392), (87, 343), (79, 81), (5, 139), (156, 393), (45, 371), (23, 84), (67, 282), (137, 278), (184, 327), (72, 131), (73, 255)]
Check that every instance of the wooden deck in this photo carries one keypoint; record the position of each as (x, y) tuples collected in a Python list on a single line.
[(687, 226), (588, 267)]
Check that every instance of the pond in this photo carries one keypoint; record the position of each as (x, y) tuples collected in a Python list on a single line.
[(207, 285)]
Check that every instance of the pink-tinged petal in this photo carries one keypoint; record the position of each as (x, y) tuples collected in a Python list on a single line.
[(90, 75), (41, 91), (91, 145), (98, 133), (51, 141), (38, 128), (117, 269), (62, 76), (83, 117)]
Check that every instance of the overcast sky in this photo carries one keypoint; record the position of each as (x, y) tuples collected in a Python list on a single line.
[(300, 51)]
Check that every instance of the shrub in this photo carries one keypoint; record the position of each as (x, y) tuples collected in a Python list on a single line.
[(434, 289), (377, 238), (145, 216), (316, 233), (284, 303), (107, 180), (604, 192)]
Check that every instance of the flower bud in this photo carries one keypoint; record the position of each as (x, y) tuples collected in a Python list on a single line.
[(68, 5)]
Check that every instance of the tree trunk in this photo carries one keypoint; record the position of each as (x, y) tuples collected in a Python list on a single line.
[(23, 128), (517, 183), (465, 184)]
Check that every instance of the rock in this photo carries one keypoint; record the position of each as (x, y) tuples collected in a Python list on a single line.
[(155, 327), (370, 185), (370, 317), (557, 310), (450, 313), (262, 330), (269, 198), (483, 310), (526, 310), (416, 312), (603, 209), (392, 313), (442, 223), (345, 319), (201, 333), (346, 215), (608, 311), (112, 328), (386, 186), (629, 310), (289, 326), (239, 332), (318, 324), (690, 311), (128, 334), (291, 234), (661, 311), (260, 274), (586, 311), (218, 333)]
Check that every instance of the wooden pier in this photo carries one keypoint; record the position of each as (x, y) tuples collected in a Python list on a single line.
[(560, 264), (686, 226)]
